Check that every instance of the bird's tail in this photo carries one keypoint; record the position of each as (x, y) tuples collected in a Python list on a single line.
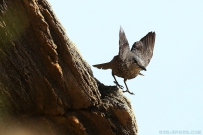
[(103, 66)]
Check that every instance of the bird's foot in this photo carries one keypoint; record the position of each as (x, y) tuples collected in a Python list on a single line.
[(129, 92), (120, 86)]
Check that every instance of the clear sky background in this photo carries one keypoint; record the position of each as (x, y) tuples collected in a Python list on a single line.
[(170, 95)]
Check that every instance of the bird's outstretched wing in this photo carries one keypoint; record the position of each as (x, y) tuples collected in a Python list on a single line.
[(123, 45), (144, 48)]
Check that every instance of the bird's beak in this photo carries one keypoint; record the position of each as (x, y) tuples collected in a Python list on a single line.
[(143, 68)]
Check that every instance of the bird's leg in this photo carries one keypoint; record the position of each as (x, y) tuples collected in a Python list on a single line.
[(117, 84), (127, 88)]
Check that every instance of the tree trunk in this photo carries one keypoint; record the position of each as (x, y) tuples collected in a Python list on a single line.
[(46, 87)]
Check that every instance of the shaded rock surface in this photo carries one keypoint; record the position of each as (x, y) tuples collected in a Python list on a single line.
[(46, 87)]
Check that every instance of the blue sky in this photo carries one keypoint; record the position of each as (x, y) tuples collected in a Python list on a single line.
[(170, 95)]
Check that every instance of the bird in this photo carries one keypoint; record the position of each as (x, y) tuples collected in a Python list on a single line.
[(128, 63)]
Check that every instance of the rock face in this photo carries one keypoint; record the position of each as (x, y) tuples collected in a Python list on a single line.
[(46, 87)]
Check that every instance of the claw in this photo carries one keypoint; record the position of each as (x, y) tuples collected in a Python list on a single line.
[(120, 86), (127, 88), (129, 92)]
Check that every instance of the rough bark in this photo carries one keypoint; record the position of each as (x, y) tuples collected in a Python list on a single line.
[(46, 87)]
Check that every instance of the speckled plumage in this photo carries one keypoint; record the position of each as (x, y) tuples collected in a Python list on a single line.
[(128, 63)]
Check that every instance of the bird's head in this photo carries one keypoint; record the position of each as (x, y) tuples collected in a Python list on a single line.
[(139, 64)]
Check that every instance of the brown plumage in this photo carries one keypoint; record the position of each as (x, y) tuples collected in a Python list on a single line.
[(128, 63)]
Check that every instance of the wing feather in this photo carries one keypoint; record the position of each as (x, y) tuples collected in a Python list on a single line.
[(123, 45), (144, 48)]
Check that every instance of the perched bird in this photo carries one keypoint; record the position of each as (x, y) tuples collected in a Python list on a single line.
[(128, 63)]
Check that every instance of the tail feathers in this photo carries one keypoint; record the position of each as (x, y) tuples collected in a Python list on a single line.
[(102, 66)]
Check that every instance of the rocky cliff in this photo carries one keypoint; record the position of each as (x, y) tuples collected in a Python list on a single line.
[(46, 87)]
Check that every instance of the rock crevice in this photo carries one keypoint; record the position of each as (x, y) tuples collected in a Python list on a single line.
[(46, 87)]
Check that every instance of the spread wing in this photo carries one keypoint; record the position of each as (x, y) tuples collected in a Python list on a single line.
[(123, 45), (144, 48)]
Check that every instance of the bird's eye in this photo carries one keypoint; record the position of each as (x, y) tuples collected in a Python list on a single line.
[(135, 61)]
